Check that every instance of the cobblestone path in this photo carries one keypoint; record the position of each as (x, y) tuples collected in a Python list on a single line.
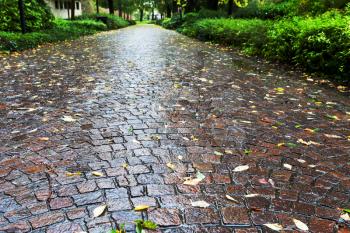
[(145, 107)]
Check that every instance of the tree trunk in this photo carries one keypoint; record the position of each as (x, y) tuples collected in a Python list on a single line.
[(168, 11), (230, 7), (72, 9), (22, 16), (120, 8), (111, 7), (97, 7), (174, 10), (141, 15), (152, 14)]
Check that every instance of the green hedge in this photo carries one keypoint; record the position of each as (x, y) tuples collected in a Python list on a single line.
[(112, 22), (38, 15), (62, 30), (319, 44)]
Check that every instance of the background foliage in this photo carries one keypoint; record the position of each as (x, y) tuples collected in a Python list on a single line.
[(38, 16)]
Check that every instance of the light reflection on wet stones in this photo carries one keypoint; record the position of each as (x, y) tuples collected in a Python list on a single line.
[(139, 102)]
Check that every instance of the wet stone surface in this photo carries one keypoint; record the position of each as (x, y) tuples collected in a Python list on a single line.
[(125, 104)]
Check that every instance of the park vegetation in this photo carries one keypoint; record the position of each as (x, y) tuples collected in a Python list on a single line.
[(41, 26), (312, 34)]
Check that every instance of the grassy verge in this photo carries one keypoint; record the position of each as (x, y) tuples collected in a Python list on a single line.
[(61, 30), (318, 44)]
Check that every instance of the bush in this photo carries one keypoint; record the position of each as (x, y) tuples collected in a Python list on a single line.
[(249, 35), (62, 30), (173, 22), (275, 9), (112, 21), (38, 16), (319, 44)]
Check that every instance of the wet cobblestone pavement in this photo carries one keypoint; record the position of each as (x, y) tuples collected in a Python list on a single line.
[(122, 118)]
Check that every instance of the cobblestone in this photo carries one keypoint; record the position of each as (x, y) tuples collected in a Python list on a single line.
[(149, 111)]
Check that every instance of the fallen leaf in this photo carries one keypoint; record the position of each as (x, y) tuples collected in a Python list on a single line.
[(195, 181), (125, 165), (97, 173), (301, 161), (193, 138), (73, 173), (288, 166), (241, 168), (274, 226), (155, 137), (231, 198), (218, 153), (68, 119), (308, 143), (332, 117), (180, 157), (302, 226), (345, 217), (263, 181), (98, 211), (202, 204), (230, 152), (272, 183), (141, 207), (171, 166), (252, 195), (332, 136), (279, 90), (44, 139)]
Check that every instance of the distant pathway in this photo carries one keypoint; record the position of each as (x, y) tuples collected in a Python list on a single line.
[(123, 117)]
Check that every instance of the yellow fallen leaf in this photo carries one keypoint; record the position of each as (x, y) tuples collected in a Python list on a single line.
[(309, 130), (98, 211), (171, 166), (141, 207), (217, 153), (155, 137), (44, 139), (73, 173), (125, 165), (280, 144), (308, 143), (193, 138), (97, 173), (230, 152)]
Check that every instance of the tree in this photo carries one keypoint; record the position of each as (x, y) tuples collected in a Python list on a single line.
[(142, 5), (72, 9), (22, 16), (111, 7)]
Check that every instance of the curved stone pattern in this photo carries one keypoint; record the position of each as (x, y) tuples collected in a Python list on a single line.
[(144, 107)]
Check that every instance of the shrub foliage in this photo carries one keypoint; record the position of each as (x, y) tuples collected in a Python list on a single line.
[(37, 14)]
